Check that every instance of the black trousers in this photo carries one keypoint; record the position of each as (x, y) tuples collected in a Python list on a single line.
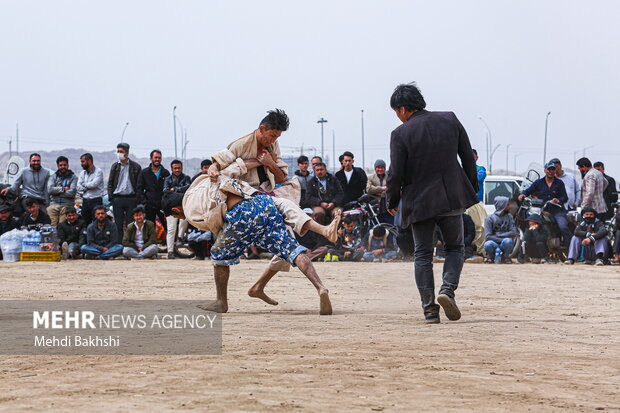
[(123, 212), (536, 250), (87, 208), (155, 211)]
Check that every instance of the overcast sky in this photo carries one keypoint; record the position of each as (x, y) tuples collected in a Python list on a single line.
[(73, 72)]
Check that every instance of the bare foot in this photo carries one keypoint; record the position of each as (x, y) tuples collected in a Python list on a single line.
[(259, 293), (215, 306), (331, 231), (326, 305)]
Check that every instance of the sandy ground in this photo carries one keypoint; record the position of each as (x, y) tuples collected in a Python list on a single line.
[(532, 338)]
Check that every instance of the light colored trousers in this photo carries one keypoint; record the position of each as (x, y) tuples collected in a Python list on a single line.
[(173, 223), (57, 214), (148, 252)]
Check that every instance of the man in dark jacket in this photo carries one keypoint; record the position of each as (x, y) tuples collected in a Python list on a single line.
[(590, 235), (71, 234), (324, 194), (35, 214), (123, 186), (303, 176), (62, 188), (610, 195), (101, 237), (435, 188), (151, 187), (353, 180), (177, 183), (535, 239)]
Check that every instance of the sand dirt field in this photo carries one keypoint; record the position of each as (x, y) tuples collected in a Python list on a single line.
[(540, 338)]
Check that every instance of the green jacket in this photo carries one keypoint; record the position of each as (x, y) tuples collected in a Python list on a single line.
[(149, 233)]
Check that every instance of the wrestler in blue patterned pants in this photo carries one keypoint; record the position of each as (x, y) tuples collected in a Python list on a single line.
[(254, 221)]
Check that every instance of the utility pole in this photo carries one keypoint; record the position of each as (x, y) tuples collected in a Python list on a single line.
[(334, 150), (10, 147), (507, 146), (174, 124), (363, 151), (124, 129), (515, 161), (322, 121), (17, 139), (545, 150)]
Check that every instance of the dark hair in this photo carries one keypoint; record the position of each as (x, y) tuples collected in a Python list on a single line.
[(31, 202), (206, 162), (139, 208), (317, 157), (302, 159), (87, 156), (584, 162), (348, 219), (599, 164), (34, 154), (124, 146), (275, 119), (99, 207), (408, 96), (154, 151), (70, 210), (378, 232), (171, 200), (347, 153), (320, 164), (61, 159), (176, 161), (474, 151), (340, 158)]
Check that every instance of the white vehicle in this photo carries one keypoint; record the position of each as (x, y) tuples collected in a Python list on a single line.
[(496, 185)]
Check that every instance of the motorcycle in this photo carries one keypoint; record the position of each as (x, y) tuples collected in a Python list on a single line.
[(364, 210)]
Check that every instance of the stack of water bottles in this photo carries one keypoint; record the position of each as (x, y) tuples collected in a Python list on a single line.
[(32, 241)]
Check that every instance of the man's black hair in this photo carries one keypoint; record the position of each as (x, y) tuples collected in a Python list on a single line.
[(348, 219), (341, 158), (31, 202), (61, 159), (205, 162), (171, 200), (70, 210), (584, 162), (154, 151), (139, 208), (347, 153), (176, 161), (408, 96), (99, 207), (302, 159), (33, 154), (320, 164), (275, 119), (378, 232), (124, 146), (599, 164), (317, 157), (475, 152), (87, 156)]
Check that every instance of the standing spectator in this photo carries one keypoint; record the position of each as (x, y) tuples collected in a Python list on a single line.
[(122, 186), (151, 187), (552, 189), (7, 222), (376, 186), (140, 239), (610, 195), (535, 239), (204, 168), (31, 182), (499, 231), (378, 247), (324, 193), (314, 161), (482, 175), (90, 187), (303, 176), (101, 237), (431, 195), (71, 234), (35, 214), (352, 179), (62, 189), (593, 186), (176, 183), (590, 235), (573, 190)]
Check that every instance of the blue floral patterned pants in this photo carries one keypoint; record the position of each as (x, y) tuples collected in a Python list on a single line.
[(254, 221)]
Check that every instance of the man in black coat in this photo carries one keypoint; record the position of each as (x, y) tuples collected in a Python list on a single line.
[(352, 179), (123, 186), (435, 190), (324, 194), (151, 187)]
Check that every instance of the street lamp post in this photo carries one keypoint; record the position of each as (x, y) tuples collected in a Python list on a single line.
[(515, 161), (124, 129), (363, 151), (334, 150), (507, 147), (493, 153), (489, 142), (586, 148), (545, 150), (174, 125), (322, 121)]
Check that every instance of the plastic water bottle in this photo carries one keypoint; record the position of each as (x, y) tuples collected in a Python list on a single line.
[(498, 256)]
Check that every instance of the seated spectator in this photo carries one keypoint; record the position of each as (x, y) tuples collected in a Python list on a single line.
[(7, 221), (71, 234), (324, 194), (535, 239), (378, 247), (590, 237), (34, 214), (317, 245), (352, 179), (303, 176), (349, 246), (499, 231), (101, 237), (376, 187), (200, 243), (140, 239)]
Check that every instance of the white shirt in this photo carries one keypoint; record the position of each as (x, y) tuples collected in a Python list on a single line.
[(348, 175), (139, 236)]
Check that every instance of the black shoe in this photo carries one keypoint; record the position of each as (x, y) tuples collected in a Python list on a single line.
[(171, 256), (431, 318), (569, 261), (449, 307)]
